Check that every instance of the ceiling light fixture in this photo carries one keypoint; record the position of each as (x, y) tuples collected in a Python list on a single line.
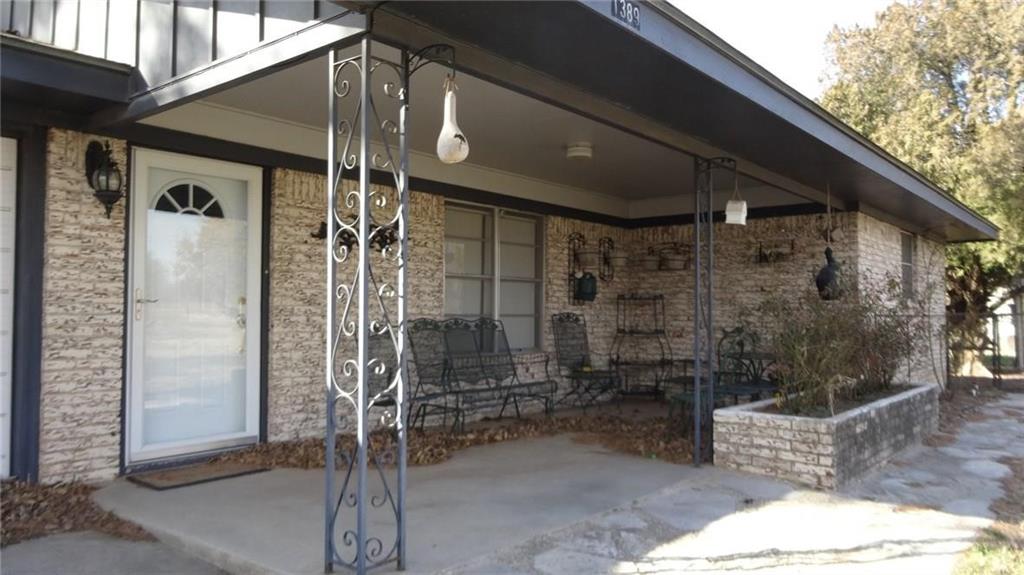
[(579, 151)]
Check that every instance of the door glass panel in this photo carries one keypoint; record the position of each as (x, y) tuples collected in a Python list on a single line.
[(194, 332)]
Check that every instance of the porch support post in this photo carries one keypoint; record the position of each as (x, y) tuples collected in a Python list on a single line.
[(366, 372), (403, 268), (333, 171), (697, 307), (362, 295), (703, 305)]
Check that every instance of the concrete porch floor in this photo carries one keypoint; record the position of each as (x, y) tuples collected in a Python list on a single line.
[(555, 506), (482, 500)]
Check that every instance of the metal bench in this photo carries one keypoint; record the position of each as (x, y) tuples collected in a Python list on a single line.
[(464, 366)]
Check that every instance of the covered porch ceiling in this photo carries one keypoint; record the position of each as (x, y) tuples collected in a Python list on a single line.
[(517, 143), (536, 77)]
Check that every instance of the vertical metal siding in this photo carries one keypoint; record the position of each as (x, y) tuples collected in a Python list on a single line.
[(92, 27), (194, 30), (65, 25), (238, 26), (163, 38), (42, 22), (156, 40), (21, 18), (122, 21)]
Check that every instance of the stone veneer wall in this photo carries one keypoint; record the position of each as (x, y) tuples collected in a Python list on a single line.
[(83, 319), (824, 453), (82, 336), (297, 302), (879, 245)]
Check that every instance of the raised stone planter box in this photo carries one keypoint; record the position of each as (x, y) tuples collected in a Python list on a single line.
[(825, 453)]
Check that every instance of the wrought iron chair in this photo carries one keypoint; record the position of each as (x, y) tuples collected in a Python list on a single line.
[(432, 394), (741, 365), (470, 384), (572, 349), (498, 364)]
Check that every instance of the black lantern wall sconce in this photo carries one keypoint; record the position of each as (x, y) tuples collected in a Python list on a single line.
[(103, 175)]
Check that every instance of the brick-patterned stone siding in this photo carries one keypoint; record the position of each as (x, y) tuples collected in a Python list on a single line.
[(826, 453), (84, 296), (297, 293), (879, 245), (83, 319)]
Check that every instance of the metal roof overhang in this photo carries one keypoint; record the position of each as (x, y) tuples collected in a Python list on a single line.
[(675, 82)]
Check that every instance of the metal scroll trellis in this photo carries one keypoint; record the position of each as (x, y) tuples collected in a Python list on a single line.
[(367, 246), (706, 171)]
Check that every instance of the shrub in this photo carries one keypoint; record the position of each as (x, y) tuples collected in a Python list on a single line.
[(833, 349)]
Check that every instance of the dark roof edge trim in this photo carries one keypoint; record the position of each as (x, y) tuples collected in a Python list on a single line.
[(714, 42)]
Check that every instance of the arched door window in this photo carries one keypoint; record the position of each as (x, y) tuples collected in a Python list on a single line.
[(189, 199)]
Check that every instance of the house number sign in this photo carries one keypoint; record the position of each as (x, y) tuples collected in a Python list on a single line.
[(627, 11)]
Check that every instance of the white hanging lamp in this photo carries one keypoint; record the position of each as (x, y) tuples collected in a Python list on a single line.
[(452, 146), (736, 207)]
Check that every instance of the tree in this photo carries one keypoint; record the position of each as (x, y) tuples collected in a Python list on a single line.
[(940, 85)]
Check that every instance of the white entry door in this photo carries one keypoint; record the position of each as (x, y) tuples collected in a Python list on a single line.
[(195, 318), (8, 197)]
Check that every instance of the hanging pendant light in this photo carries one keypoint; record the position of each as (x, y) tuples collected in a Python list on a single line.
[(452, 146), (736, 207)]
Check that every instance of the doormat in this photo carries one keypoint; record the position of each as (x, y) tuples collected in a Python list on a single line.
[(162, 479)]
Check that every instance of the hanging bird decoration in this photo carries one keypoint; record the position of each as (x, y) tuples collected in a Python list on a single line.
[(828, 278)]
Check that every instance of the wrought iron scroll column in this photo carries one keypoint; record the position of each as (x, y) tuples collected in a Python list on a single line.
[(367, 246), (704, 355)]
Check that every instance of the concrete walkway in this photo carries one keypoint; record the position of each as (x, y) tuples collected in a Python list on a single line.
[(912, 517), (554, 506), (89, 553)]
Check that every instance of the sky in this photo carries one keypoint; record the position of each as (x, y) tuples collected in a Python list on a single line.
[(786, 37)]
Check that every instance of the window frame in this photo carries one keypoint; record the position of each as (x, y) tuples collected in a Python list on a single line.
[(908, 267), (494, 241)]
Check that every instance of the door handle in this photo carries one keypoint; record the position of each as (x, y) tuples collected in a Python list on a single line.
[(139, 300)]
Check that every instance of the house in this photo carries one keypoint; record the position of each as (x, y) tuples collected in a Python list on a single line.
[(190, 315)]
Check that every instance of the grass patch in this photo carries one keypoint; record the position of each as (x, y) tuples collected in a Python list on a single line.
[(998, 551)]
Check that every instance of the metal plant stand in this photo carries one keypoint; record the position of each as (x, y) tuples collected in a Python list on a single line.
[(641, 351), (706, 171), (367, 247)]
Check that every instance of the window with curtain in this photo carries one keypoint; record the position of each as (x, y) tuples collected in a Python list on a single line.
[(494, 256)]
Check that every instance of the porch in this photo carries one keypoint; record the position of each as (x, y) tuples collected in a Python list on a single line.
[(558, 506)]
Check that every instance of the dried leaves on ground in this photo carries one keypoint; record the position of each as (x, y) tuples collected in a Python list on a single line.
[(651, 438), (30, 511)]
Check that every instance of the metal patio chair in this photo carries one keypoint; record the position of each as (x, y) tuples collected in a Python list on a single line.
[(470, 384), (572, 349), (500, 367), (432, 394)]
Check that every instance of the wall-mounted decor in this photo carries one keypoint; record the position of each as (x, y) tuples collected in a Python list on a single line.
[(774, 251), (605, 269), (582, 283), (670, 256)]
